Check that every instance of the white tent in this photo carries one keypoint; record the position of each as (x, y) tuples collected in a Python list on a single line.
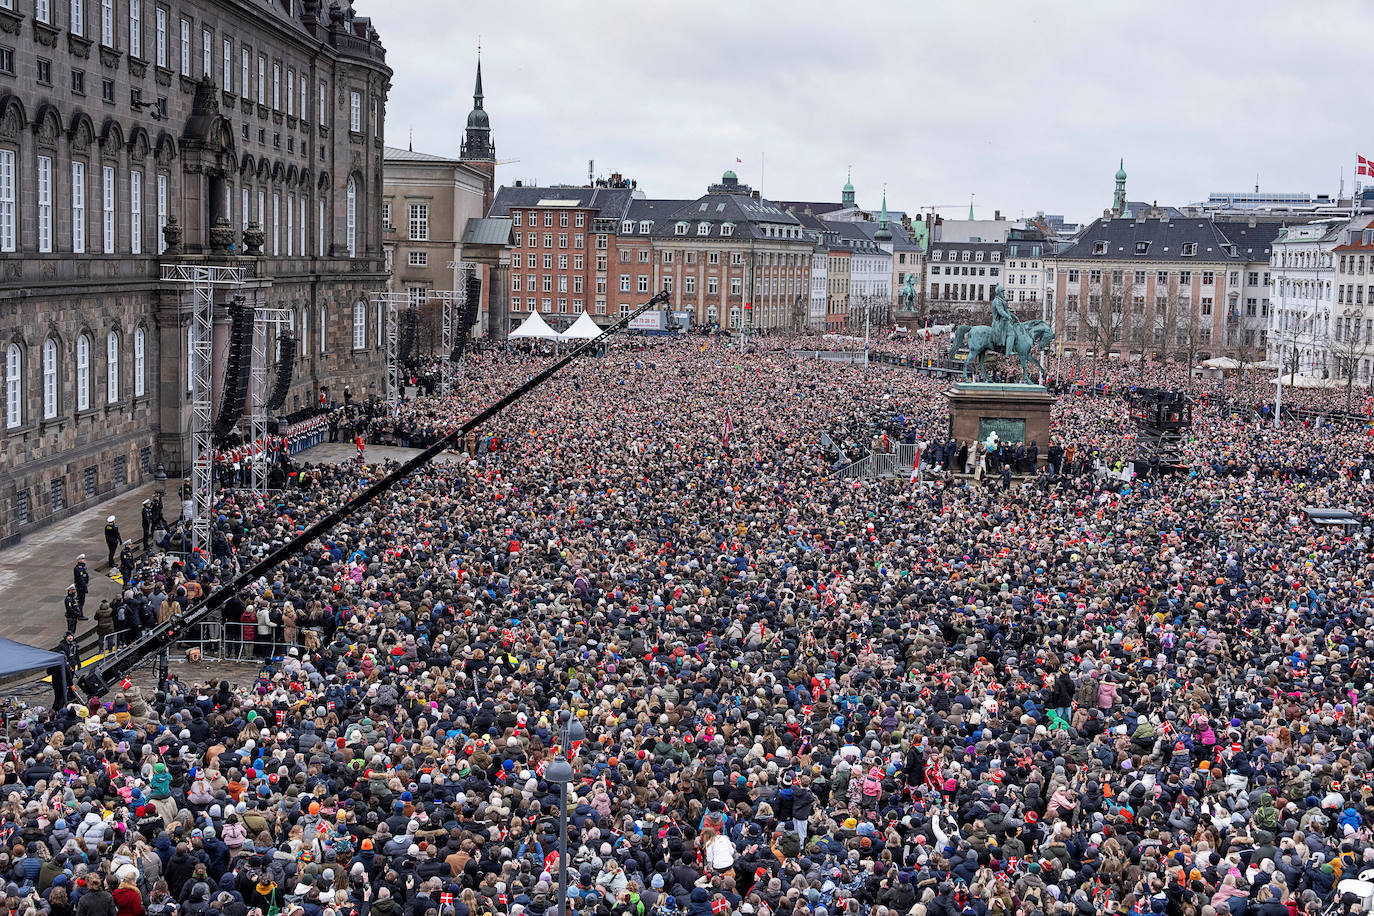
[(534, 326), (582, 329), (1221, 362), (1305, 381)]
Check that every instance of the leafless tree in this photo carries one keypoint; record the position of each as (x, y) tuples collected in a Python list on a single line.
[(1105, 318), (1349, 350)]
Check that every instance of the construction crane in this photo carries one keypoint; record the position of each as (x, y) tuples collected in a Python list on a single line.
[(506, 161)]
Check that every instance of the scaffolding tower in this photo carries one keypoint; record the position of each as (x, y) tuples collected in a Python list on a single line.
[(203, 280), (452, 302), (267, 324)]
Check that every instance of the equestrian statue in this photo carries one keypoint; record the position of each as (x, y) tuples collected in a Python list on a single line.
[(1007, 337)]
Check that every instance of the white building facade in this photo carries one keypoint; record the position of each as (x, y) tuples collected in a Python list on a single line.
[(816, 309), (1302, 262)]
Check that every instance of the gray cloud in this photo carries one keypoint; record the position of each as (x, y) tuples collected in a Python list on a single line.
[(1028, 106)]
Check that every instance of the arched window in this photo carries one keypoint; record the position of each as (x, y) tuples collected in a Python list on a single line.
[(359, 325), (111, 368), (83, 372), (49, 379), (14, 386), (140, 363), (352, 217)]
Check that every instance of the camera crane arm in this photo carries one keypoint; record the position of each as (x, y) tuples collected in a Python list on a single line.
[(96, 679)]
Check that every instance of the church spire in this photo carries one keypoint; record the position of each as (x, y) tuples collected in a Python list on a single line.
[(883, 233), (1119, 206), (477, 143)]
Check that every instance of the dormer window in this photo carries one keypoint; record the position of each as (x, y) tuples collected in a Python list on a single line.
[(644, 226), (727, 228), (1142, 247), (935, 255), (1189, 249), (627, 227), (978, 256), (966, 256), (997, 257), (680, 229), (703, 228), (1099, 247)]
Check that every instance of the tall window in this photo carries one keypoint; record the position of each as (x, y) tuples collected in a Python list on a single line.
[(355, 111), (107, 23), (304, 350), (45, 204), (359, 325), (303, 94), (78, 20), (161, 213), (136, 212), (207, 58), (14, 386), (262, 80), (319, 226), (290, 91), (83, 372), (161, 52), (302, 224), (262, 209), (323, 325), (322, 110), (245, 57), (140, 363), (107, 209), (276, 87), (243, 207), (49, 379), (290, 222), (227, 76), (185, 47), (351, 215), (135, 28), (78, 207), (276, 223), (42, 11), (7, 215), (419, 222), (111, 368), (378, 323)]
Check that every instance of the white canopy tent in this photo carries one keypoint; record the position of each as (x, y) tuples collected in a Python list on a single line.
[(582, 329), (534, 327)]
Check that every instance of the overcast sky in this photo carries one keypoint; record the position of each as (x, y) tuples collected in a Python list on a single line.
[(1025, 105)]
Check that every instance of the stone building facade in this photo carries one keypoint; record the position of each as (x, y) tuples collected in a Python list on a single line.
[(138, 133)]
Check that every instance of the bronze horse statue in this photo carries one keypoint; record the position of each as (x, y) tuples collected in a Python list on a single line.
[(1028, 336)]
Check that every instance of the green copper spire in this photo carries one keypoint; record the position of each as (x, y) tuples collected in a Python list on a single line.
[(1119, 207), (883, 233), (847, 196)]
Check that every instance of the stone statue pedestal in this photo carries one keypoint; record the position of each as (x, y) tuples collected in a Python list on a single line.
[(1018, 413)]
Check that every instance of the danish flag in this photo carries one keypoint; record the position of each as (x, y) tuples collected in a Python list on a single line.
[(1364, 166)]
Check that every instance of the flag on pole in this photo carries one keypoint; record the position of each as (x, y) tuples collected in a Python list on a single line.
[(727, 429), (1364, 166), (739, 160)]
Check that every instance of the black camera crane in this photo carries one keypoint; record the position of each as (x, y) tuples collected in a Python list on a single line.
[(96, 678)]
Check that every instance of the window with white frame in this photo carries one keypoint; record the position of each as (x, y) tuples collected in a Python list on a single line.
[(355, 111), (14, 386), (304, 350), (160, 52), (140, 363), (276, 223), (107, 209), (136, 212), (377, 323), (319, 224), (290, 221), (324, 315), (322, 109), (301, 204), (185, 47), (78, 207), (351, 217), (262, 79), (290, 91), (42, 11), (107, 23), (419, 222), (276, 86), (83, 372), (7, 200), (227, 64), (359, 325), (418, 259), (303, 90), (77, 25), (207, 54), (161, 212), (44, 204), (245, 63), (49, 379), (111, 368)]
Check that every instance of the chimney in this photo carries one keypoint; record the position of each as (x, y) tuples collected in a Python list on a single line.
[(519, 183), (1252, 221), (997, 215)]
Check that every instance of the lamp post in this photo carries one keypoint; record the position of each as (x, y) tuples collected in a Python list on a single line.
[(560, 771)]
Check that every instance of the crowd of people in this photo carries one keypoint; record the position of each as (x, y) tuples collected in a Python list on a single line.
[(799, 696)]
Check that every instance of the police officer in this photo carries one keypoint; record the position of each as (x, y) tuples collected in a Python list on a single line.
[(126, 562), (112, 539), (72, 608), (148, 516), (81, 581)]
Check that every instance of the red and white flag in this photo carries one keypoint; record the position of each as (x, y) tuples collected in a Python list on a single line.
[(916, 466), (739, 160), (727, 430), (1364, 166)]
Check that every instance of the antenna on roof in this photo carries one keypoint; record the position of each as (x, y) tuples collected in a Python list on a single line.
[(412, 140), (1257, 182)]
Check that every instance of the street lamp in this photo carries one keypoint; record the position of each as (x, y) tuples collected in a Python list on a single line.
[(160, 481), (560, 771)]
